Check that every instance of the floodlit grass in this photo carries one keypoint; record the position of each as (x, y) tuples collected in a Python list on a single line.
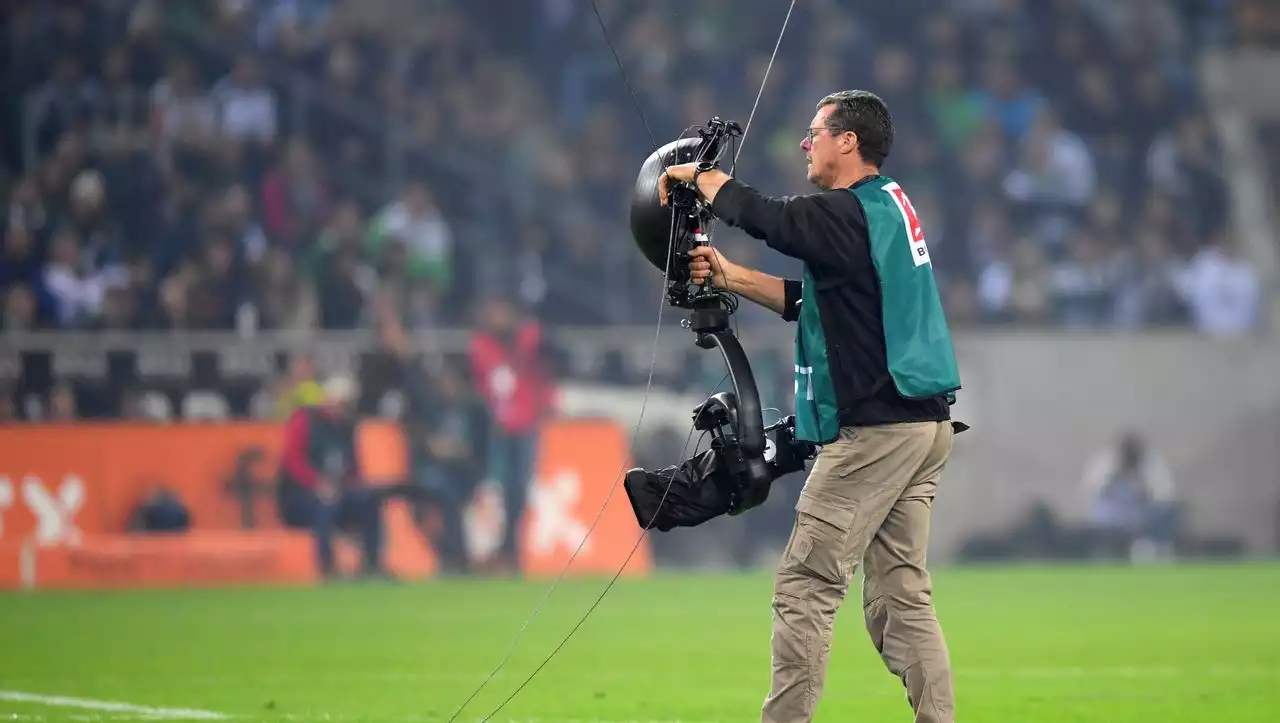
[(1035, 644)]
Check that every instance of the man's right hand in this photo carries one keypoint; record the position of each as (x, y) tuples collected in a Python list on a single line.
[(707, 262)]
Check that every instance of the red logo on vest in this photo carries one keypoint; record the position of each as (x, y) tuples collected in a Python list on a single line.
[(915, 231)]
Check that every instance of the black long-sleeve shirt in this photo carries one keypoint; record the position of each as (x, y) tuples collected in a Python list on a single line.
[(828, 231)]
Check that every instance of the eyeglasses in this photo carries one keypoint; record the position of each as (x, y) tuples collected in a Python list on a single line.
[(811, 132)]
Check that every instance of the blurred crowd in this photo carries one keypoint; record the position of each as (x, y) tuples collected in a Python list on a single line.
[(290, 164)]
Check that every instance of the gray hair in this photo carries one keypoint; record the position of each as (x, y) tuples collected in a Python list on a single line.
[(864, 113)]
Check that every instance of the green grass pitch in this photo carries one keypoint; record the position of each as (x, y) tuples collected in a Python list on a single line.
[(1176, 644)]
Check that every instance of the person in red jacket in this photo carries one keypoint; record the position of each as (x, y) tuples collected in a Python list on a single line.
[(320, 487), (509, 374)]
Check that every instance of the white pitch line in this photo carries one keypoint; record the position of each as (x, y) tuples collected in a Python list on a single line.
[(63, 701), (72, 717)]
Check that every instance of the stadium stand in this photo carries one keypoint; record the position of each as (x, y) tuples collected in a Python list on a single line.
[(225, 166)]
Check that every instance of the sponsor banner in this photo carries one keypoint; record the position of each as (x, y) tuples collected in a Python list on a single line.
[(68, 493), (198, 559)]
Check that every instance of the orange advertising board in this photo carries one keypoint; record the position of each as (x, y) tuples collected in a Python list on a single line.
[(67, 493)]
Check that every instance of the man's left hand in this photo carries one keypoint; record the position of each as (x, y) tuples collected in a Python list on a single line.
[(682, 173), (709, 182)]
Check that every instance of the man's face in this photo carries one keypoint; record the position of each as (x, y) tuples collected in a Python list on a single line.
[(822, 150), (21, 307), (62, 403), (219, 257), (417, 198), (235, 206), (117, 307), (301, 368), (340, 408), (498, 316)]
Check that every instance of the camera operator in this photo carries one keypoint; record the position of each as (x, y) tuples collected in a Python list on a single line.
[(510, 375), (874, 375), (444, 428), (320, 486), (449, 439)]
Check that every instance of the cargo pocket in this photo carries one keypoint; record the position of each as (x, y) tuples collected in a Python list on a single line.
[(821, 539)]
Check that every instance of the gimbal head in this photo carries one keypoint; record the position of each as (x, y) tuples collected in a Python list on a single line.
[(665, 234)]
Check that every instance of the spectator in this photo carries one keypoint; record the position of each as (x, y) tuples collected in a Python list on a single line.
[(1148, 295), (415, 223), (246, 106), (344, 229), (20, 310), (28, 208), (296, 15), (1132, 499), (124, 111), (320, 484), (218, 287), (1007, 99), (955, 111), (22, 265), (1055, 168), (1223, 289), (66, 101), (347, 284), (119, 308), (1184, 166), (174, 296), (1013, 286), (104, 248), (1084, 284), (183, 117), (237, 218), (295, 198), (77, 292), (282, 298)]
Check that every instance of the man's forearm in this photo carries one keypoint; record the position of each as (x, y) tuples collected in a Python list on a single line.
[(764, 289)]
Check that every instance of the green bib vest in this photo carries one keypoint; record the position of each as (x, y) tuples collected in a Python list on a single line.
[(918, 348)]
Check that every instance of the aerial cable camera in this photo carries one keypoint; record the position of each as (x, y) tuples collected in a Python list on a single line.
[(737, 471)]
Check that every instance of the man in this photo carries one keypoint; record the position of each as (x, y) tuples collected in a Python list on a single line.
[(319, 478), (1133, 507), (444, 427), (509, 375), (875, 374), (447, 441)]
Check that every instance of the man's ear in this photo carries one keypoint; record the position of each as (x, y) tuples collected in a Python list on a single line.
[(849, 142)]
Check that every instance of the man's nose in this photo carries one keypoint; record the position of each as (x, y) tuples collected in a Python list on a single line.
[(805, 144)]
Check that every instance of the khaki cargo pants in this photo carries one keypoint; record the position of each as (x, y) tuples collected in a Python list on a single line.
[(867, 499)]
